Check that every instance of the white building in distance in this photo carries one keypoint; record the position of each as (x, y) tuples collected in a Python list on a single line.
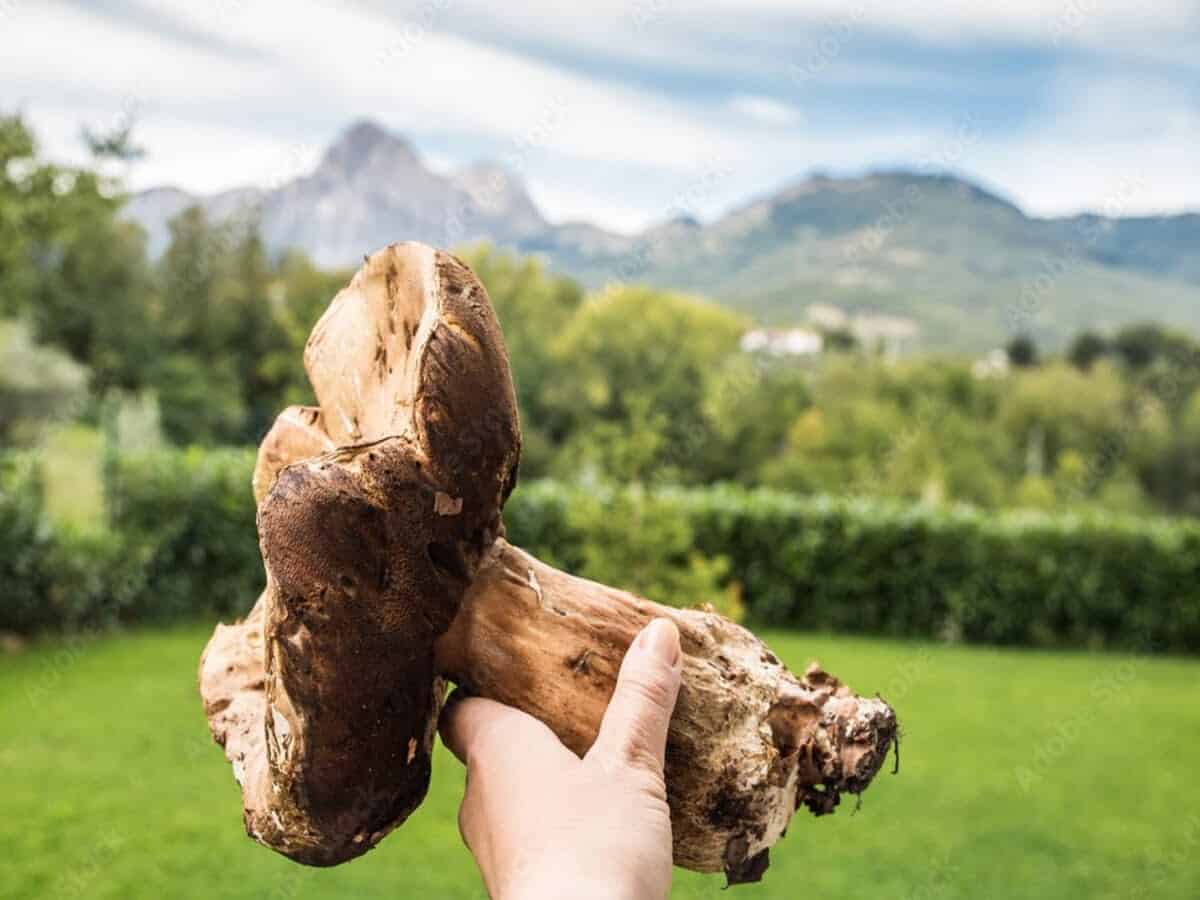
[(782, 341)]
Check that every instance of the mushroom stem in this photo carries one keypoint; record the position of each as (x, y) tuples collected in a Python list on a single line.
[(749, 742)]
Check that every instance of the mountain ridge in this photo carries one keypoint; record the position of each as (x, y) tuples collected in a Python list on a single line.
[(966, 264)]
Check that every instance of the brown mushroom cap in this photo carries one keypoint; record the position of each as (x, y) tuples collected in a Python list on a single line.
[(369, 548)]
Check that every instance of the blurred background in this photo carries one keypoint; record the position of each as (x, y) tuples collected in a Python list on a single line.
[(875, 326)]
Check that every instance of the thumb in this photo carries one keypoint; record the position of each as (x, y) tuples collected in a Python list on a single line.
[(634, 729)]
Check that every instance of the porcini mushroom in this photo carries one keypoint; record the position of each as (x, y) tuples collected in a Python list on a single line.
[(388, 574)]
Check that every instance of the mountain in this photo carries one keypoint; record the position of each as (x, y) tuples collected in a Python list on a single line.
[(368, 190), (934, 255), (966, 266)]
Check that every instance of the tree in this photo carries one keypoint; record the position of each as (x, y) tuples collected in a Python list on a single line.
[(840, 340), (38, 385), (534, 309), (1142, 344), (218, 375), (116, 143), (1056, 410), (298, 296), (1086, 348), (70, 265), (1022, 351), (634, 365), (750, 403)]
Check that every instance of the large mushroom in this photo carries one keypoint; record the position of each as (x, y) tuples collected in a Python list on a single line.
[(388, 574)]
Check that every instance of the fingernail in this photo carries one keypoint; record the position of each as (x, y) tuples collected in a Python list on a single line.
[(660, 638)]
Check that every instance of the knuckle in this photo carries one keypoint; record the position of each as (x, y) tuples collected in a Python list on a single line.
[(639, 757), (491, 740), (651, 689), (464, 825)]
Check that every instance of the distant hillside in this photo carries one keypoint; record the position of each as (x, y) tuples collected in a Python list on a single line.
[(966, 266)]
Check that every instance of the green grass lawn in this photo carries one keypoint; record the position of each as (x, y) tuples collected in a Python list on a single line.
[(1022, 775)]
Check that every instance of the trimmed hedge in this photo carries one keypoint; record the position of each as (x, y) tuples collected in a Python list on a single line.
[(871, 567), (187, 518), (181, 543)]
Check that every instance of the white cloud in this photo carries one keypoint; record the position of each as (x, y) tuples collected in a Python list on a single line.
[(1122, 144), (637, 27), (578, 202), (591, 148), (765, 110), (62, 51), (423, 79), (329, 65)]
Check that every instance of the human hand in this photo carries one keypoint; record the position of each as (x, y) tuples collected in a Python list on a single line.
[(543, 823)]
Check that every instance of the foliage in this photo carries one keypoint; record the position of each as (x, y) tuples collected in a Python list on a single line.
[(534, 308), (629, 539), (26, 546), (638, 363), (69, 264), (187, 518), (39, 385), (54, 578), (632, 385), (1022, 352), (180, 543), (1086, 348), (873, 567)]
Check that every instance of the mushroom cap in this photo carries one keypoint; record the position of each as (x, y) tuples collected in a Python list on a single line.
[(374, 510)]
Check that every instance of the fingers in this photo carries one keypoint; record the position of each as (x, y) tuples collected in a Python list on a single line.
[(470, 724), (486, 733), (635, 725), (506, 753)]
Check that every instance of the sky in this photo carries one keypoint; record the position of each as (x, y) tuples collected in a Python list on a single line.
[(623, 113)]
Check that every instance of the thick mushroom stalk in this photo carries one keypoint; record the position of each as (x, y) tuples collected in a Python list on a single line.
[(387, 571)]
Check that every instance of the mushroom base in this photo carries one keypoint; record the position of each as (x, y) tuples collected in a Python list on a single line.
[(749, 742)]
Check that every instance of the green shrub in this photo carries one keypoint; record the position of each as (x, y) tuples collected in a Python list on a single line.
[(884, 568), (26, 546), (627, 538), (186, 518), (54, 578), (182, 543)]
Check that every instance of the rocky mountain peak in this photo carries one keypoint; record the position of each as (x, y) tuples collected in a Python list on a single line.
[(498, 191), (367, 145)]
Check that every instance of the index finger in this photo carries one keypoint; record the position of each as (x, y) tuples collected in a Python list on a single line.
[(469, 724)]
